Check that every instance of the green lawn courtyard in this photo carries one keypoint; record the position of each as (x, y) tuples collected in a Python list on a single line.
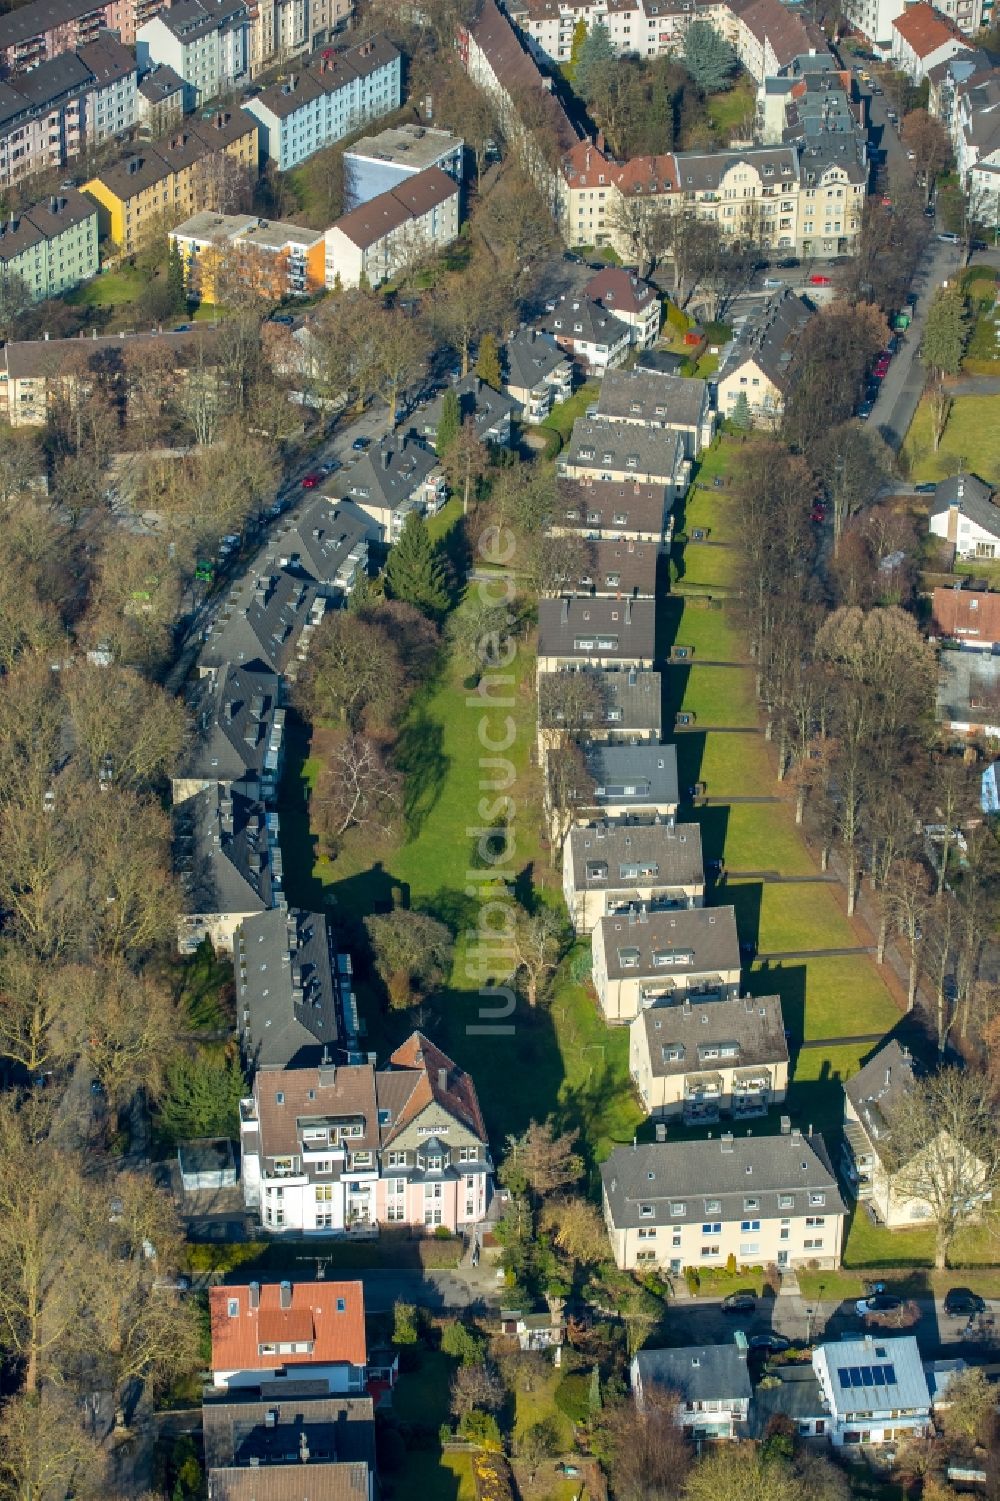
[(971, 440)]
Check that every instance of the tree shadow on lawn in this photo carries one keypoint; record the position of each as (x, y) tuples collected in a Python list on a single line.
[(421, 758), (787, 981)]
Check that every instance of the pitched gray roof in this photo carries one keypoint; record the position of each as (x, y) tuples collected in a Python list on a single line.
[(223, 854), (650, 769), (602, 854), (632, 697), (583, 322), (618, 288), (288, 992), (476, 399), (675, 1178), (698, 940), (872, 1374), (240, 725), (388, 473), (973, 497), (769, 338), (797, 1395), (753, 1025), (33, 20), (161, 83), (610, 505), (649, 396), (261, 621), (529, 356), (189, 19), (697, 1373), (703, 170), (876, 1090), (628, 626), (242, 1427), (317, 540), (651, 454)]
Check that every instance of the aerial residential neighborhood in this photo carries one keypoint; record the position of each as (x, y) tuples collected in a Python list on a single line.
[(500, 696)]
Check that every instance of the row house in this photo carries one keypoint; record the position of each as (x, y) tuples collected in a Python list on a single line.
[(346, 1147), (35, 33), (759, 1199), (643, 959), (606, 510), (623, 706), (396, 476), (330, 96), (376, 164), (36, 373), (660, 403), (150, 191), (64, 106), (52, 246), (574, 632), (275, 259), (759, 363), (325, 1443), (207, 42), (611, 867), (630, 783), (694, 1060), (536, 373), (398, 230), (227, 855), (621, 570), (612, 452)]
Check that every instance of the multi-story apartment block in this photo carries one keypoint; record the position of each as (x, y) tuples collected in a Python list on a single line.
[(622, 453), (168, 181), (656, 402), (159, 102), (394, 477), (759, 363), (52, 246), (328, 98), (631, 783), (605, 509), (345, 1147), (276, 259), (206, 41), (279, 30), (643, 28), (875, 19), (536, 373), (415, 219), (240, 732), (325, 19), (611, 867), (626, 707), (696, 1059), (294, 1005), (326, 1443), (922, 38), (644, 959), (631, 299), (50, 115), (760, 1199), (376, 164), (574, 633), (227, 856), (37, 32)]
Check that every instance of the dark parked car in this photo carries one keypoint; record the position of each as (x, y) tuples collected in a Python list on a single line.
[(881, 1303), (925, 489), (865, 410), (772, 1343), (360, 444), (962, 1302), (740, 1303), (788, 264)]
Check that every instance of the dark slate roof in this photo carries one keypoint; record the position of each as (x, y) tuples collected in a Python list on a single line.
[(529, 356), (288, 995), (60, 212), (625, 569), (583, 321), (632, 697), (190, 19), (160, 84), (238, 1429), (317, 540), (107, 59), (769, 338), (261, 622), (476, 399), (624, 504), (753, 1024), (699, 940), (650, 769), (599, 445), (651, 397), (324, 73), (697, 1373), (52, 80), (32, 20), (877, 1089), (388, 473), (600, 852), (669, 1175), (239, 723), (700, 171), (973, 498), (629, 624), (797, 1395), (222, 851)]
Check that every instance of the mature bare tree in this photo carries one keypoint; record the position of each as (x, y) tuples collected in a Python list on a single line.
[(542, 1159), (33, 1031), (906, 899), (558, 563), (353, 673), (569, 784), (356, 788), (538, 939), (926, 138), (125, 1025), (45, 1453), (577, 1227), (131, 892), (648, 1453), (126, 730)]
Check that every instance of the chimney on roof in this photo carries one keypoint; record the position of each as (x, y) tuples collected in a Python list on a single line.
[(443, 1080), (303, 1448), (254, 1295), (286, 1295), (599, 143), (386, 454)]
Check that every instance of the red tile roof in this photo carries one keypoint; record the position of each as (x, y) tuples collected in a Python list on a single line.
[(336, 1337), (925, 29), (966, 615), (433, 1078), (619, 290)]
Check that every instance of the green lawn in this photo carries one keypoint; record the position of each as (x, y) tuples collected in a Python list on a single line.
[(710, 632), (728, 110), (972, 439), (708, 568), (820, 998), (109, 290), (754, 836), (729, 765), (717, 696), (421, 1397), (565, 413), (714, 510), (788, 918)]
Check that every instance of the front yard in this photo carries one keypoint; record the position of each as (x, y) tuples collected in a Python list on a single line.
[(971, 441)]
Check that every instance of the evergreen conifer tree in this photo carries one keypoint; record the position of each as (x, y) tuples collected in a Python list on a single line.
[(414, 572), (740, 416), (449, 423), (488, 362)]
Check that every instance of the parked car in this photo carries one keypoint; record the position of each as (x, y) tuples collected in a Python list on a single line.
[(882, 366), (930, 211), (770, 282), (880, 1303), (865, 410), (817, 514), (947, 238), (771, 1342), (928, 488), (788, 264), (744, 1302), (310, 481), (819, 280), (360, 444), (962, 1302)]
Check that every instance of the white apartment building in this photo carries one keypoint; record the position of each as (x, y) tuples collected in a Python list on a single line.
[(328, 98), (400, 228), (760, 1199), (110, 101), (644, 28), (644, 959), (207, 42), (875, 18), (610, 867)]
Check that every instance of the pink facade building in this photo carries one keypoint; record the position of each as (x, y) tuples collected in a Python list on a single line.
[(40, 31)]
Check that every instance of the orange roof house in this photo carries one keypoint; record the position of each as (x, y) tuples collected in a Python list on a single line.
[(260, 1330)]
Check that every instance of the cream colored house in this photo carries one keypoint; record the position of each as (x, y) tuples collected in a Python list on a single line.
[(699, 1060), (760, 363), (644, 958), (759, 1199), (610, 867), (870, 1098)]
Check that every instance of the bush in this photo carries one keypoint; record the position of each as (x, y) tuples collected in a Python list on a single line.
[(442, 1233), (211, 1257), (459, 1341), (572, 1396), (731, 1262), (693, 1280), (406, 1324), (481, 1428)]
